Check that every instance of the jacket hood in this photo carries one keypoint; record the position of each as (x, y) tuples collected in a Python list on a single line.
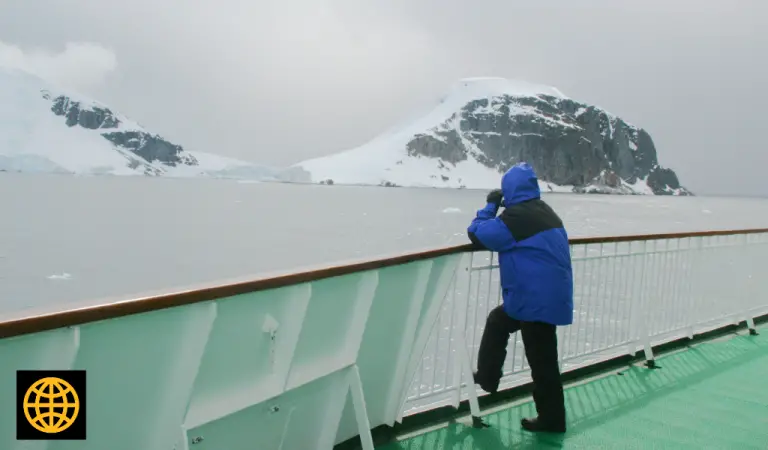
[(520, 184)]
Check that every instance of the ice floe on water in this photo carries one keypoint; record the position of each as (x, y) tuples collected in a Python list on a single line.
[(60, 276)]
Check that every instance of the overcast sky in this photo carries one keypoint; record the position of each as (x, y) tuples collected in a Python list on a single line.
[(278, 81)]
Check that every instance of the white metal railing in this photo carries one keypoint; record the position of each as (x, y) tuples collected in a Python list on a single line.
[(274, 360), (628, 296)]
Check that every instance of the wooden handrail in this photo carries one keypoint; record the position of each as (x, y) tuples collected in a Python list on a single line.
[(72, 317)]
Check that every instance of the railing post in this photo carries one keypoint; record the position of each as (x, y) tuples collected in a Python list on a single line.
[(751, 293), (693, 313), (633, 307), (429, 324), (689, 291), (410, 329), (462, 358), (645, 335), (459, 338)]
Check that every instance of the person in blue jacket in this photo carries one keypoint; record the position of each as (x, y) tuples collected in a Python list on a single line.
[(537, 290)]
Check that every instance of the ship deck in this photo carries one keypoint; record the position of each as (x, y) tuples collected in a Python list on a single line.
[(710, 395)]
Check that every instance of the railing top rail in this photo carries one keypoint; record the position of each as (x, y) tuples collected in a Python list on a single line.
[(77, 316)]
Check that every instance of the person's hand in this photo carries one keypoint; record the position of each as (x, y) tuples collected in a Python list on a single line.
[(495, 197)]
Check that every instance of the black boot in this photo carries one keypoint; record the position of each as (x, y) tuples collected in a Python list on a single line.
[(535, 425), (489, 388)]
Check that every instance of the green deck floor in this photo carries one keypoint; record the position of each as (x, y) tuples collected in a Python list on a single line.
[(711, 396)]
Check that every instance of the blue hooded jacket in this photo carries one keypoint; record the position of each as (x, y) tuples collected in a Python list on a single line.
[(534, 255)]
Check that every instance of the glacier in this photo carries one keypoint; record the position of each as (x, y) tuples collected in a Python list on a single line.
[(48, 129)]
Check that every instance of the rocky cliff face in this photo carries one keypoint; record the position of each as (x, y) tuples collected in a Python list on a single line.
[(151, 148), (568, 143)]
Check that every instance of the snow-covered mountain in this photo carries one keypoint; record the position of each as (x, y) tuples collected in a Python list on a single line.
[(46, 129), (484, 126)]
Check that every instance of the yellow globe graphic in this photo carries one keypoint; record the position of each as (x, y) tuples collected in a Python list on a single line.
[(51, 405)]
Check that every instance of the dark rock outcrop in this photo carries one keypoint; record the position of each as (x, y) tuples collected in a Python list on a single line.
[(91, 118), (567, 142), (151, 148), (661, 179)]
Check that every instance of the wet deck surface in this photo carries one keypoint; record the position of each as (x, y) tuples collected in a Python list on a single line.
[(713, 395)]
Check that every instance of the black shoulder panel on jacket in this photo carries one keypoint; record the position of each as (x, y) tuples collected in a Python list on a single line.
[(530, 218)]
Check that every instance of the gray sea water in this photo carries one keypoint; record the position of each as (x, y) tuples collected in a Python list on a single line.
[(84, 240)]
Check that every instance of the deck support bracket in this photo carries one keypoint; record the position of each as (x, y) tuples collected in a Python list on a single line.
[(477, 422), (751, 326), (469, 379), (361, 413)]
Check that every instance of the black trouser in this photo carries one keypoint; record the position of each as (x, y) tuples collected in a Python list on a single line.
[(540, 341)]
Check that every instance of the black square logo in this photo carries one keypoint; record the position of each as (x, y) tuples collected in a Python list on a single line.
[(50, 405)]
